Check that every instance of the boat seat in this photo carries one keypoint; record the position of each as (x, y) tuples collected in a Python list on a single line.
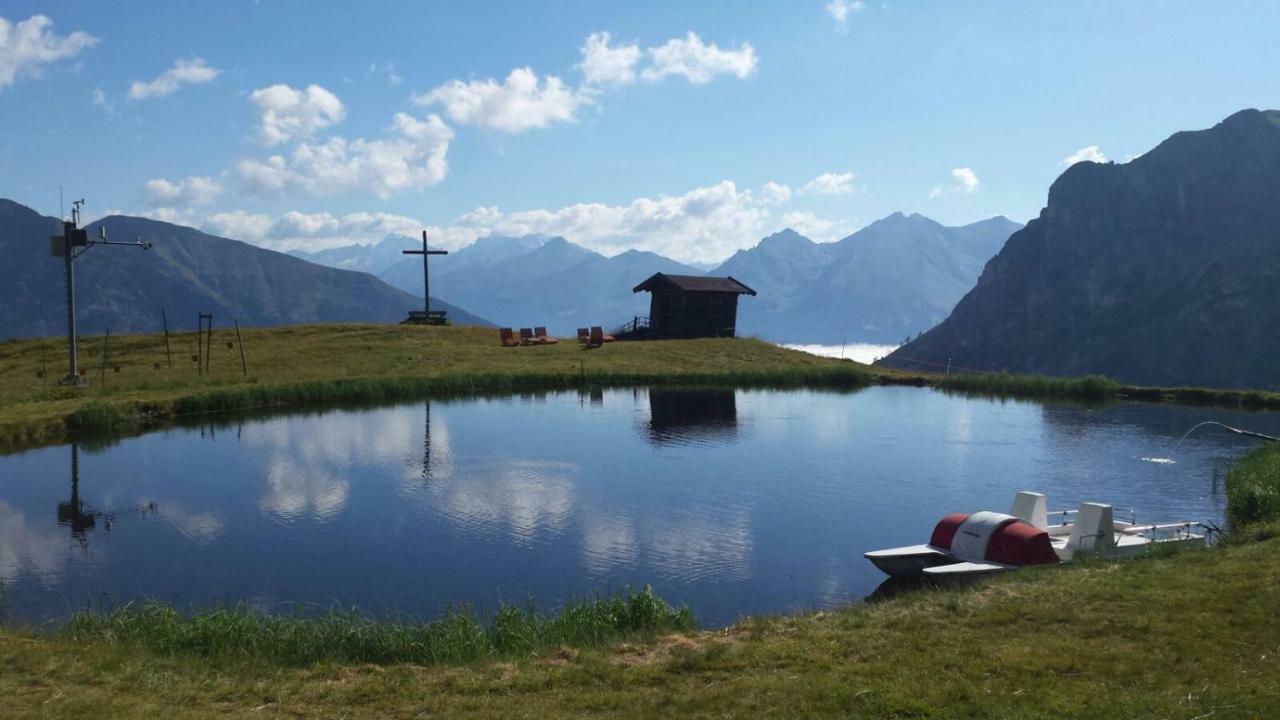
[(1031, 508), (965, 569), (1094, 529)]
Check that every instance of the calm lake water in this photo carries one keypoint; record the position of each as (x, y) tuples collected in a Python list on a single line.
[(733, 502)]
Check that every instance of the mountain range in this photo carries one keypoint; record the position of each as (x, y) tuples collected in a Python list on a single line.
[(1164, 270), (185, 272), (892, 279)]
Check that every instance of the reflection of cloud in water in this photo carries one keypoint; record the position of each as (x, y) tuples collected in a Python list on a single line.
[(338, 438), (523, 497), (198, 527), (694, 547), (306, 472), (294, 490), (24, 549), (608, 543)]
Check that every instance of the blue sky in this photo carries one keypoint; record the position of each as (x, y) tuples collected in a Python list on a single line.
[(689, 145)]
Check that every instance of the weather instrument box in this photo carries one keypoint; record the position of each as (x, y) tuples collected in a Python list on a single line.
[(79, 237)]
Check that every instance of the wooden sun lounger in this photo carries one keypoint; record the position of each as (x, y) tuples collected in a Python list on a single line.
[(527, 338), (598, 337), (507, 337), (540, 334), (584, 336)]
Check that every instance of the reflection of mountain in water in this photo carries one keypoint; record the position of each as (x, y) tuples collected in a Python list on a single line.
[(692, 416)]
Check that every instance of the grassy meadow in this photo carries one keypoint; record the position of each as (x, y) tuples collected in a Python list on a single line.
[(312, 364)]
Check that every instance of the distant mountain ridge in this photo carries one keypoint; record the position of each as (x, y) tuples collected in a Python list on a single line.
[(185, 272), (1164, 270), (894, 278)]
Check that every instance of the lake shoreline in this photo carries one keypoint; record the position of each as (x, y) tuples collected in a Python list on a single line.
[(332, 365)]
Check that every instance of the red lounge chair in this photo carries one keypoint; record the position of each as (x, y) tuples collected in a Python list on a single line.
[(526, 337), (584, 336), (598, 337), (540, 334), (507, 337)]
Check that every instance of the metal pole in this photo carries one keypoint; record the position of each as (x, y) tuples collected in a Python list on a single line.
[(102, 372), (164, 318), (208, 347), (73, 372), (244, 367), (426, 283)]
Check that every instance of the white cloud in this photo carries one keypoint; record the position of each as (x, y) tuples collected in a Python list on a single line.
[(830, 184), (239, 225), (412, 157), (697, 61), (189, 191), (100, 100), (605, 65), (29, 45), (775, 193), (183, 72), (966, 182), (841, 9), (816, 228), (296, 230), (703, 225), (1085, 154), (519, 103), (291, 114), (387, 70)]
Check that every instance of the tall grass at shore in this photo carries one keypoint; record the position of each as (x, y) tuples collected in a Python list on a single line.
[(1253, 487), (1088, 387), (459, 636)]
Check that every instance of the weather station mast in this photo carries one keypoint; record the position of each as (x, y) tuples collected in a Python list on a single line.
[(70, 245)]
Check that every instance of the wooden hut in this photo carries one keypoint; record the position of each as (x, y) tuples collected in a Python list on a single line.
[(689, 306)]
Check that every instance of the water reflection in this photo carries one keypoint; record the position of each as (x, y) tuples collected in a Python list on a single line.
[(415, 507), (679, 416)]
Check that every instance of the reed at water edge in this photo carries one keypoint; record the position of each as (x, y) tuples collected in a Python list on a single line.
[(459, 636)]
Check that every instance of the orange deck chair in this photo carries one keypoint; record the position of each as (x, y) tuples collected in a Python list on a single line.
[(540, 334), (584, 336), (507, 337), (526, 337)]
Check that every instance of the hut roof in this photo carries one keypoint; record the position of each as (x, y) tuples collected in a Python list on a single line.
[(695, 283)]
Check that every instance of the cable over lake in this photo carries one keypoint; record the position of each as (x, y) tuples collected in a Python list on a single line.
[(733, 502)]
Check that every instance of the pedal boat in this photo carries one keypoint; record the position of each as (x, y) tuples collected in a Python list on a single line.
[(968, 545)]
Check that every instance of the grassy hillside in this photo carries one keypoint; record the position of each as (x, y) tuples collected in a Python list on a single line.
[(320, 363)]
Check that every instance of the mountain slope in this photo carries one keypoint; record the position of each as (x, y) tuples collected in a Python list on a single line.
[(530, 281), (895, 277), (184, 273), (1164, 270)]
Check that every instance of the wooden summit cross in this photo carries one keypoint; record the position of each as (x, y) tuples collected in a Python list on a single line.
[(427, 316)]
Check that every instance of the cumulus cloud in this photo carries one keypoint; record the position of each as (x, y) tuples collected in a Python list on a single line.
[(775, 193), (830, 184), (290, 114), (239, 225), (703, 225), (1085, 154), (816, 228), (519, 103), (413, 156), (840, 10), (698, 62), (605, 65), (966, 182), (188, 191), (295, 230), (100, 100), (183, 72), (25, 48)]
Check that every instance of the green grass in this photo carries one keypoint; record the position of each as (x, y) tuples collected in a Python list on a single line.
[(460, 636), (1180, 635), (315, 365), (1089, 387), (1253, 487)]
